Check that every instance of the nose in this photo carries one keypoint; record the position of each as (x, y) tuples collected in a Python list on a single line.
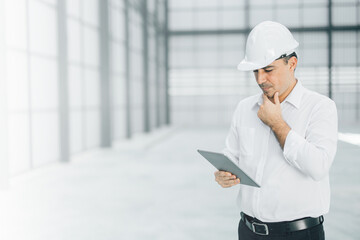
[(261, 76)]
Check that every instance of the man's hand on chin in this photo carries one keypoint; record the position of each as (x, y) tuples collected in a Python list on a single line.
[(270, 114)]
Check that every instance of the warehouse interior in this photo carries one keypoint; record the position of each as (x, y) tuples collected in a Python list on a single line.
[(103, 104)]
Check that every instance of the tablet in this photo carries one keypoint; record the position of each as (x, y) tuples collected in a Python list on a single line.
[(223, 163)]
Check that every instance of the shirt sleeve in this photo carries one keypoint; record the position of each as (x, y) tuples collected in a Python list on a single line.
[(314, 154), (231, 149)]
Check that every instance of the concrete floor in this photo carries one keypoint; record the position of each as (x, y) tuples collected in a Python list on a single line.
[(156, 187)]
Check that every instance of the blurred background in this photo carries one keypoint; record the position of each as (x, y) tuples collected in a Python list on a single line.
[(103, 104)]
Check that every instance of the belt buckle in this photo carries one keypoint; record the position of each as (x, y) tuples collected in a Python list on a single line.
[(255, 224)]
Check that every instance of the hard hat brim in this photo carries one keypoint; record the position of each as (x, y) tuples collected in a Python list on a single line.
[(245, 65), (249, 66)]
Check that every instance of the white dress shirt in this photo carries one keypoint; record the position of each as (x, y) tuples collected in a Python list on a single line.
[(294, 180)]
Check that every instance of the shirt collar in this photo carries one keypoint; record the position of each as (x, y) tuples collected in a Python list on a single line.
[(294, 98), (295, 95)]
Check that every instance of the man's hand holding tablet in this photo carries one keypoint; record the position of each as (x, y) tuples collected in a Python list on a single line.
[(226, 179)]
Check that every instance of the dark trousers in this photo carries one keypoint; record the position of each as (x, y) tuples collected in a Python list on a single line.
[(314, 233)]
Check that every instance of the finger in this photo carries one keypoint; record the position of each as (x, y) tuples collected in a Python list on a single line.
[(220, 173), (234, 182), (225, 184), (219, 178), (227, 178), (230, 183), (276, 98), (228, 175), (224, 178), (224, 174)]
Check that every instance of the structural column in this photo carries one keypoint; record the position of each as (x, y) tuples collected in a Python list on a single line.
[(146, 102), (157, 63), (247, 26), (329, 33), (106, 93), (127, 70), (357, 89), (166, 32), (63, 83)]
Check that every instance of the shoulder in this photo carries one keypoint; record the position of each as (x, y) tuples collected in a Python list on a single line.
[(243, 108), (316, 100), (248, 102)]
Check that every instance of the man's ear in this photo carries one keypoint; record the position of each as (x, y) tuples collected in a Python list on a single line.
[(292, 63)]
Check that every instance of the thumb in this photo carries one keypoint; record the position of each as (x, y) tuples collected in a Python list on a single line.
[(276, 98)]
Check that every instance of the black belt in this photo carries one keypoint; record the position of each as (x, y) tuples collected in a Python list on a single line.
[(263, 228)]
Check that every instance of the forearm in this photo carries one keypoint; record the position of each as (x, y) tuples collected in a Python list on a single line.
[(281, 129)]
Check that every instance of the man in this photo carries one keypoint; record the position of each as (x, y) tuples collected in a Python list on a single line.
[(284, 138)]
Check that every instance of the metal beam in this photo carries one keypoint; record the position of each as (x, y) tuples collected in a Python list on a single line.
[(63, 82), (247, 26), (167, 35), (105, 93), (146, 99), (157, 64), (357, 104), (127, 70), (329, 33), (247, 30), (205, 32), (247, 14)]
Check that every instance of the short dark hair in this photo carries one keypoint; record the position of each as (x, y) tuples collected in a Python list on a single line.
[(286, 58)]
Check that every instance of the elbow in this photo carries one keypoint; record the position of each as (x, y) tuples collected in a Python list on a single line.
[(318, 176), (321, 168)]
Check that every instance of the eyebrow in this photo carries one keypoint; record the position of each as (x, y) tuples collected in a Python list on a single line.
[(271, 66)]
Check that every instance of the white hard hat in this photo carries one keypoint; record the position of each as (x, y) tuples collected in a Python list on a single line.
[(266, 42)]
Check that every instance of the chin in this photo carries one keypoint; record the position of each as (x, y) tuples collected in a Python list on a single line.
[(269, 95)]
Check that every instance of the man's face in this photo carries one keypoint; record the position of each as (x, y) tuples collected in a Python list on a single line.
[(276, 77)]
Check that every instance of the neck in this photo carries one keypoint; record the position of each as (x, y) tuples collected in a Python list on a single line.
[(283, 96)]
